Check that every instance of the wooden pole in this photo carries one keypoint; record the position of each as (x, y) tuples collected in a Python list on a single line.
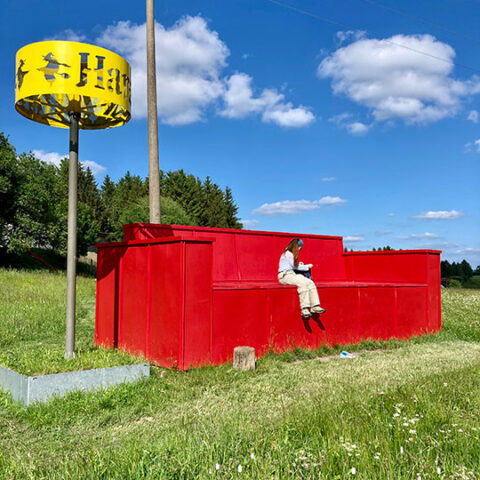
[(154, 174)]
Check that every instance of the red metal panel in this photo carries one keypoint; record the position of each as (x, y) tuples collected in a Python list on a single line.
[(134, 307), (106, 324), (389, 266), (287, 328), (240, 318), (377, 313), (411, 311), (434, 321), (341, 320), (198, 304), (166, 311)]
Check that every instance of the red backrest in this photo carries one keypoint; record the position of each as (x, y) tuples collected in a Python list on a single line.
[(246, 255)]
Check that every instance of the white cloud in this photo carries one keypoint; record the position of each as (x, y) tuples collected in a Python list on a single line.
[(470, 145), (440, 215), (344, 120), (240, 102), (473, 116), (391, 214), (96, 168), (245, 56), (357, 128), (354, 238), (190, 62), (190, 58), (291, 207), (395, 82), (55, 158), (466, 251), (331, 201), (328, 179), (346, 35), (69, 35), (415, 236), (438, 246), (383, 232), (249, 224)]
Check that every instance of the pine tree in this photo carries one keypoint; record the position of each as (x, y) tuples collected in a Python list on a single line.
[(231, 210), (109, 213), (213, 209)]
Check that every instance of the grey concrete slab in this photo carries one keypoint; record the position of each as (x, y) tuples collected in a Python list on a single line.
[(41, 388)]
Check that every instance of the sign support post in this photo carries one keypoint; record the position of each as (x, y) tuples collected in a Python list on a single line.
[(72, 236)]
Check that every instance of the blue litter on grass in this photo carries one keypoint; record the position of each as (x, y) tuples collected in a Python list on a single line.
[(345, 354)]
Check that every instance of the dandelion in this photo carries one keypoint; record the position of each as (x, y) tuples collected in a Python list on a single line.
[(353, 471), (239, 469)]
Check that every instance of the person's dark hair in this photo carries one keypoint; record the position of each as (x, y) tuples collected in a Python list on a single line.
[(294, 247)]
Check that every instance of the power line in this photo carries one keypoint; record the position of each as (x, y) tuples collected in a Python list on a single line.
[(350, 27), (421, 20)]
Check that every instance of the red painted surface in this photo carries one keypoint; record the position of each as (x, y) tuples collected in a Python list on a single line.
[(187, 296)]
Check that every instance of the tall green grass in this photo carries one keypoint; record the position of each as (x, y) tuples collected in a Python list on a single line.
[(32, 324)]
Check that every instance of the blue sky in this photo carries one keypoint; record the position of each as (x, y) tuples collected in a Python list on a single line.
[(364, 126)]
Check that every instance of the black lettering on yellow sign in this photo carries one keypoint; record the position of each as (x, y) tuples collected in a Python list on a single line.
[(51, 69), (21, 73), (84, 69)]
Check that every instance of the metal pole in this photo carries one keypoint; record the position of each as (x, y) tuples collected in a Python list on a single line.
[(154, 175), (72, 237)]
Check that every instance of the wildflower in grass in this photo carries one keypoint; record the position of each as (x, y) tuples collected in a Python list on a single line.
[(252, 456), (353, 471), (239, 469), (413, 432), (217, 466), (439, 470)]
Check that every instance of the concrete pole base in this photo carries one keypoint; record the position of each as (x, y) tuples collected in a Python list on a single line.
[(244, 358)]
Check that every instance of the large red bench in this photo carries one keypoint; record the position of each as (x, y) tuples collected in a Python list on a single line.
[(186, 296)]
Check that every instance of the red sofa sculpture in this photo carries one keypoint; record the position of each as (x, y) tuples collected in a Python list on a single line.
[(187, 296)]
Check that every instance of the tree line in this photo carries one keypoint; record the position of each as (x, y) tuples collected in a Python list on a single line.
[(34, 202), (461, 270)]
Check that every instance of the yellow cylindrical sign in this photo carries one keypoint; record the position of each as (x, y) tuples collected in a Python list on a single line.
[(56, 78)]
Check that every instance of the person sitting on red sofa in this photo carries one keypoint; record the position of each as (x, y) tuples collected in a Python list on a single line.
[(307, 291)]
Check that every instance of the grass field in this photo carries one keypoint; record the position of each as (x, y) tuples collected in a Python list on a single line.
[(408, 410)]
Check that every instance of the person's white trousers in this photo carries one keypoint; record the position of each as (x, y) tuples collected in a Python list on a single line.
[(307, 291)]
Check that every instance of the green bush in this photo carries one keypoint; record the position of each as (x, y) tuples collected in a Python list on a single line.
[(454, 283)]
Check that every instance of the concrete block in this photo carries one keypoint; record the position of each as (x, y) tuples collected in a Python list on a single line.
[(244, 358), (41, 388)]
